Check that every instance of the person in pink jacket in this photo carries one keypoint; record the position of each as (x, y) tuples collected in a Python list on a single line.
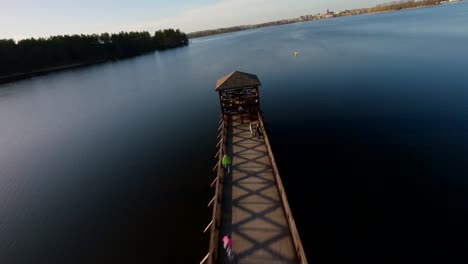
[(227, 244)]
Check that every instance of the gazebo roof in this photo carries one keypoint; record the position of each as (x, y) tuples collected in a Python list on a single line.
[(237, 79)]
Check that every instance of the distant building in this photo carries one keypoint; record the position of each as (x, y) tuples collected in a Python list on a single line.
[(329, 14)]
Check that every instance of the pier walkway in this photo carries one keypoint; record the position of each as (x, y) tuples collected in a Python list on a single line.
[(250, 203), (252, 209)]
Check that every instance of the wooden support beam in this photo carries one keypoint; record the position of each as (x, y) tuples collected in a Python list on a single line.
[(211, 202), (217, 154), (214, 181), (219, 143), (208, 227), (205, 258), (215, 166)]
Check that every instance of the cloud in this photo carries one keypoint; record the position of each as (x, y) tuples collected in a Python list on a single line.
[(221, 14), (226, 13)]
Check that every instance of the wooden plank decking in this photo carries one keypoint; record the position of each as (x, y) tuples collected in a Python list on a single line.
[(253, 210), (250, 202)]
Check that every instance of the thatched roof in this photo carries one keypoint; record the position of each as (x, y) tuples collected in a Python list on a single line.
[(237, 79)]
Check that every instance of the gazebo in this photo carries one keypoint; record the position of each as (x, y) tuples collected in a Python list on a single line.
[(238, 94)]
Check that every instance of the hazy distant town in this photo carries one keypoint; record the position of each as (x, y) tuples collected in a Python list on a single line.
[(391, 6)]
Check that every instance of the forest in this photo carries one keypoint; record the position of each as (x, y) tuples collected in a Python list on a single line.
[(40, 54)]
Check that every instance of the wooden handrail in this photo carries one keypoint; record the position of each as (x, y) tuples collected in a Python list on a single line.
[(292, 224), (212, 255)]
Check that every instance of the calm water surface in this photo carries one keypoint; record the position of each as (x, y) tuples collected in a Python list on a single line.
[(369, 124)]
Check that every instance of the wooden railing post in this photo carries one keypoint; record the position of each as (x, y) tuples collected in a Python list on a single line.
[(216, 202)]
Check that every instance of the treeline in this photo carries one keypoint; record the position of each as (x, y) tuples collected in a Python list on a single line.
[(390, 6), (210, 32), (398, 5), (32, 54)]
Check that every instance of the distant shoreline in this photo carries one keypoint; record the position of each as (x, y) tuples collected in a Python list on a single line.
[(32, 57), (354, 12)]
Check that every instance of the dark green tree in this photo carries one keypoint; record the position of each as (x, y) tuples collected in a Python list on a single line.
[(32, 54)]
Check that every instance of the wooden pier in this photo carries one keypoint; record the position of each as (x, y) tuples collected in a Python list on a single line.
[(250, 203)]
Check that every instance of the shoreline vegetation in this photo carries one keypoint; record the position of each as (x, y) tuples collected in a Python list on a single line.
[(386, 7), (32, 57)]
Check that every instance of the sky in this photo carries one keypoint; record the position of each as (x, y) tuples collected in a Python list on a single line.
[(41, 18)]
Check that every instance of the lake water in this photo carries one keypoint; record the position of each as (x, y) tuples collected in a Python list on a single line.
[(369, 125)]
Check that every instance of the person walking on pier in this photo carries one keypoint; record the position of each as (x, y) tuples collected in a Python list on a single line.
[(227, 163), (227, 245), (253, 127), (258, 132)]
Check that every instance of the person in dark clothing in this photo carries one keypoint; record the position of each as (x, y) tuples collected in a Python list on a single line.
[(258, 132)]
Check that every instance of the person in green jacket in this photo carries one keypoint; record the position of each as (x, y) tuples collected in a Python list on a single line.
[(226, 162)]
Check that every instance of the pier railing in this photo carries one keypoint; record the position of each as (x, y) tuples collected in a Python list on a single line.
[(216, 202), (215, 223), (292, 224)]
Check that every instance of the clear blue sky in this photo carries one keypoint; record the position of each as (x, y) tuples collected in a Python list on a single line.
[(34, 18)]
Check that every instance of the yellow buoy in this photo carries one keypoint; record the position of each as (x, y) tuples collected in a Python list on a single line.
[(296, 54)]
